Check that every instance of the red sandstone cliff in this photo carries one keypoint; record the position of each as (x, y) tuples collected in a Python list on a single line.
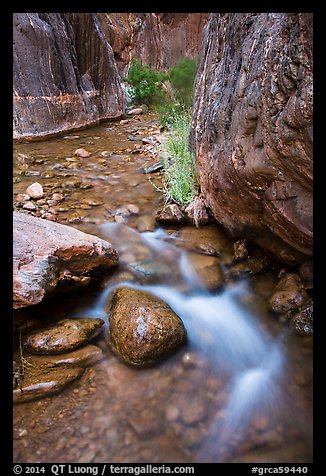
[(158, 39), (64, 73), (252, 128)]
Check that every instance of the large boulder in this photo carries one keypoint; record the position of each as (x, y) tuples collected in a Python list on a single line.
[(64, 74), (252, 128), (47, 254), (142, 329)]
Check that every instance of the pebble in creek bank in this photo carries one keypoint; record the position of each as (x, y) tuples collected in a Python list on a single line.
[(142, 329), (35, 190), (82, 153), (62, 336), (29, 206)]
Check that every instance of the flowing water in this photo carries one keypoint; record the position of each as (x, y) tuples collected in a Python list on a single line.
[(239, 390)]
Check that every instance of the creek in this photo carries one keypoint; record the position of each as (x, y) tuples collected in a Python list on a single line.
[(240, 390)]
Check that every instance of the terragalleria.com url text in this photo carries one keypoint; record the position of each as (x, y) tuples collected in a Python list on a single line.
[(62, 469)]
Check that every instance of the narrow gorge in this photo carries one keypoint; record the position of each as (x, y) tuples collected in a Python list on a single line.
[(163, 238)]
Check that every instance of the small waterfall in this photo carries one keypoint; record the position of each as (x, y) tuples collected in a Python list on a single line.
[(221, 330), (190, 277)]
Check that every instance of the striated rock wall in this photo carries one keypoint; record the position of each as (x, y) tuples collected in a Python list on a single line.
[(158, 39), (252, 128), (64, 74)]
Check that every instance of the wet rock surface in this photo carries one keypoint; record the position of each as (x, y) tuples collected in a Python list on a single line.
[(37, 384), (253, 102), (62, 336), (149, 271), (289, 294), (85, 356), (256, 262), (47, 253), (208, 270), (302, 322), (142, 328)]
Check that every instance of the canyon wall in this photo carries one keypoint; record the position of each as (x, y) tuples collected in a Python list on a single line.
[(67, 66), (158, 39), (252, 128), (64, 74)]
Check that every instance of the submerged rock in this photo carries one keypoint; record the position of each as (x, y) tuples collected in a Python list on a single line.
[(194, 410), (288, 295), (45, 375), (149, 270), (62, 336), (46, 253), (143, 329), (37, 385), (205, 249), (145, 223), (207, 269)]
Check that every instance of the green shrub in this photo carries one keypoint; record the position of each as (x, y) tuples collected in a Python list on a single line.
[(180, 181), (169, 111), (182, 76), (146, 84)]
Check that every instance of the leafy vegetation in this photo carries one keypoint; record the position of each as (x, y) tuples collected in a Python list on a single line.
[(182, 77), (146, 83), (180, 180), (173, 102)]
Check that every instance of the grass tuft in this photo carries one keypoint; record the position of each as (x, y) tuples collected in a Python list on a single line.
[(180, 179)]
